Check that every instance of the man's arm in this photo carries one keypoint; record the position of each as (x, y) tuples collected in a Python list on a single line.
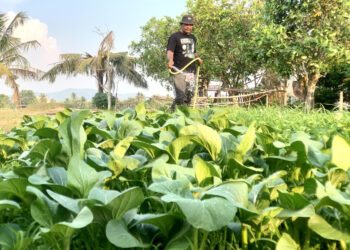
[(170, 55), (200, 61)]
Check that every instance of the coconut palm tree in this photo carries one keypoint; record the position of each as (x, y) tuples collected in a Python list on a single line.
[(12, 64), (105, 67)]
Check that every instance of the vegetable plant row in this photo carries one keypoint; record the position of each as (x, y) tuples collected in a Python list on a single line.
[(194, 179)]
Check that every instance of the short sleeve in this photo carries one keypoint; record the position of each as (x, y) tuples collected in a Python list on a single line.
[(171, 43)]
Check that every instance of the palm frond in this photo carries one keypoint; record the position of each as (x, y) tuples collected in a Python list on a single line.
[(27, 73), (4, 71), (106, 44), (72, 56), (15, 59), (85, 65), (15, 22), (67, 67)]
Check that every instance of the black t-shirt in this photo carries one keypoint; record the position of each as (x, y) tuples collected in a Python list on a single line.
[(184, 48)]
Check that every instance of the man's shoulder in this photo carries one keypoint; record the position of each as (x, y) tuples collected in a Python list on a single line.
[(176, 34)]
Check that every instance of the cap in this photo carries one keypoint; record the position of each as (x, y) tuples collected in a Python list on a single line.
[(187, 19)]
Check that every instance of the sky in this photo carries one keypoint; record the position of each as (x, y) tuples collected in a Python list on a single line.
[(71, 26)]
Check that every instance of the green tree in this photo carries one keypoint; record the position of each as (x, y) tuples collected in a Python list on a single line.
[(5, 101), (100, 100), (105, 67), (12, 64), (223, 29), (329, 87), (304, 38), (42, 98), (140, 97), (28, 97), (73, 97), (150, 50)]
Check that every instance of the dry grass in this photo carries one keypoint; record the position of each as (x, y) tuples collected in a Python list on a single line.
[(10, 118)]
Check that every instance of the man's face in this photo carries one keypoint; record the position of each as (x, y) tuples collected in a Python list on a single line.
[(186, 28)]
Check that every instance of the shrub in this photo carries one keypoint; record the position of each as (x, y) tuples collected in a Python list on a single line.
[(100, 100)]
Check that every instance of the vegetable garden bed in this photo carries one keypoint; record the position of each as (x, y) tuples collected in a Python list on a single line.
[(263, 178)]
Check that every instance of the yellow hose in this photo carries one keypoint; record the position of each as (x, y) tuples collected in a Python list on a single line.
[(197, 78)]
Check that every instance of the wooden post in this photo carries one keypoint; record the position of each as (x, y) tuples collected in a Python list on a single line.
[(267, 100), (285, 98), (341, 99)]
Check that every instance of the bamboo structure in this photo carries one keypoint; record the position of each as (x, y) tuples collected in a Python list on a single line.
[(244, 98)]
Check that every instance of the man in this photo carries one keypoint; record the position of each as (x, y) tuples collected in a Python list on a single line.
[(181, 50)]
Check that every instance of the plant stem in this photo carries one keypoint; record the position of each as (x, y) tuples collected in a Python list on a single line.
[(342, 245), (244, 237), (307, 239), (195, 238), (204, 238)]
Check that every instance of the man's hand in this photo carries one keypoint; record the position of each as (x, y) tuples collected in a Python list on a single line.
[(170, 64), (200, 62)]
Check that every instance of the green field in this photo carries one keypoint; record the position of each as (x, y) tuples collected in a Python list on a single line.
[(230, 178)]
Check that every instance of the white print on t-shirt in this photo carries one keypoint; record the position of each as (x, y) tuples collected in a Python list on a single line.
[(187, 47)]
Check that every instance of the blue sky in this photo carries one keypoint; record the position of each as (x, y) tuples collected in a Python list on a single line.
[(66, 26)]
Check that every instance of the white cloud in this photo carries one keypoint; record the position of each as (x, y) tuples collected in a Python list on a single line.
[(34, 29), (48, 54)]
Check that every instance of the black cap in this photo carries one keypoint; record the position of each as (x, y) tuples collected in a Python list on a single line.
[(187, 19)]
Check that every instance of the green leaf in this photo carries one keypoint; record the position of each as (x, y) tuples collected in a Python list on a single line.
[(46, 133), (293, 201), (180, 187), (307, 211), (128, 199), (67, 202), (58, 175), (175, 147), (209, 214), (317, 224), (83, 219), (5, 204), (123, 146), (152, 150), (287, 243), (81, 177), (340, 153), (16, 187), (127, 128), (117, 233), (234, 191), (8, 236), (245, 144), (97, 131), (164, 222), (63, 232), (204, 136), (140, 109), (73, 133), (43, 210), (204, 169), (102, 195), (162, 169)]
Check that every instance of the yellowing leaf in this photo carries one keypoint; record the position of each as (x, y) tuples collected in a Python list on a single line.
[(341, 153)]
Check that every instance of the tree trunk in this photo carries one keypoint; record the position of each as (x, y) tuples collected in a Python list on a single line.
[(109, 90), (100, 82), (310, 92)]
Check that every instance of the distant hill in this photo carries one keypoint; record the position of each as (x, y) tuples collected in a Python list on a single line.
[(87, 93)]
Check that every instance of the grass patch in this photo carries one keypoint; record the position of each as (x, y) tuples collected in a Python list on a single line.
[(10, 118)]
